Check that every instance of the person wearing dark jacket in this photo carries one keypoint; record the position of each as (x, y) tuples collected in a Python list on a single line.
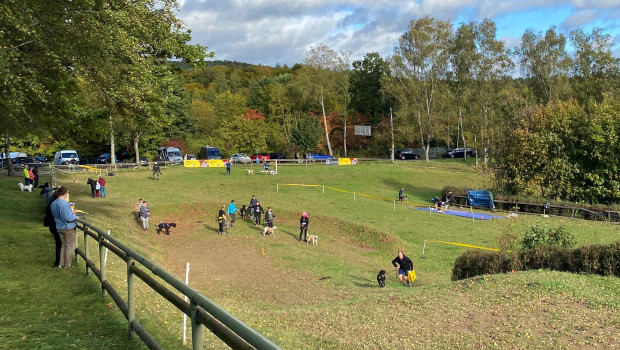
[(93, 186), (252, 204), (404, 265), (221, 218), (258, 211), (269, 218), (51, 224), (35, 172), (303, 226)]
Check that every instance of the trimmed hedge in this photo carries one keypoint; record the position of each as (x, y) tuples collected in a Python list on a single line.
[(594, 259)]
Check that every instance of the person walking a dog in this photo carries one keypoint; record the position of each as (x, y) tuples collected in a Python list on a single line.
[(403, 264), (303, 226), (221, 218), (258, 211), (231, 212), (64, 217), (156, 171), (101, 181), (400, 194), (144, 215)]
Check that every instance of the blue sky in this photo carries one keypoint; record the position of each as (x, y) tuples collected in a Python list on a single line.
[(282, 31)]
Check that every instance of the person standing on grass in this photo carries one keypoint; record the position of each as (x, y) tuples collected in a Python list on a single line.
[(93, 186), (31, 176), (35, 172), (253, 202), (137, 207), (228, 165), (26, 176), (102, 186), (303, 226), (404, 265), (156, 171), (400, 194), (51, 225), (47, 192), (231, 212), (65, 219), (269, 218), (221, 218), (144, 215), (258, 211), (266, 166)]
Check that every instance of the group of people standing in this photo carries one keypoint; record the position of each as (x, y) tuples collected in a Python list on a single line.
[(31, 176), (97, 187)]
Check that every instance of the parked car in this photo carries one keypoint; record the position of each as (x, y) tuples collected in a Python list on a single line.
[(26, 160), (317, 155), (459, 153), (277, 156), (66, 157), (105, 159), (240, 158), (405, 154), (261, 157)]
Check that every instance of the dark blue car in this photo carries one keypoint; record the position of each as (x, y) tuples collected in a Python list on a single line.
[(319, 156)]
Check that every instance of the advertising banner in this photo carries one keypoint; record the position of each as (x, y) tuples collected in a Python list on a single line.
[(191, 163), (347, 161), (216, 163)]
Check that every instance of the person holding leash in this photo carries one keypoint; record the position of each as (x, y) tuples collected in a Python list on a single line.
[(403, 264), (400, 194), (303, 226), (221, 218), (231, 212)]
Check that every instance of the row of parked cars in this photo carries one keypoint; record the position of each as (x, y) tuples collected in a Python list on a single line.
[(242, 158), (451, 153)]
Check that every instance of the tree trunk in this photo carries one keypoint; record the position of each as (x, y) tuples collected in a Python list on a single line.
[(392, 131), (112, 152), (329, 146), (7, 154), (345, 134), (424, 145), (136, 148)]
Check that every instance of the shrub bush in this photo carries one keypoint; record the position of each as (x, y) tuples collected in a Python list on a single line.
[(537, 236), (477, 262), (594, 259)]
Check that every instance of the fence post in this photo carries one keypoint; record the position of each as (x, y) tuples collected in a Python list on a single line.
[(86, 247), (102, 264), (424, 247), (323, 189), (394, 204), (277, 187), (197, 330), (354, 196), (131, 295)]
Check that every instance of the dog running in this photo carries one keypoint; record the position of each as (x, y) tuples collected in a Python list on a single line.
[(314, 239), (250, 171), (381, 278), (165, 226), (24, 187)]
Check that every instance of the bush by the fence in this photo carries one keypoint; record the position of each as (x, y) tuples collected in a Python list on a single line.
[(594, 259), (478, 262)]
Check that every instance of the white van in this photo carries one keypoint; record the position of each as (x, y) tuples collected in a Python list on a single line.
[(66, 157), (169, 154)]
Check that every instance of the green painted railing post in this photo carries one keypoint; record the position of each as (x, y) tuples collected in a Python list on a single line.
[(131, 295), (197, 329), (102, 264), (86, 248)]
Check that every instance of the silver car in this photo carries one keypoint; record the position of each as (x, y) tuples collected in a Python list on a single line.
[(240, 158)]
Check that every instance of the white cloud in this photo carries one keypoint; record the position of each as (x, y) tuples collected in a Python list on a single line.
[(281, 31)]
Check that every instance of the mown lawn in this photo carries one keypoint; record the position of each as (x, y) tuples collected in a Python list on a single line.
[(305, 297)]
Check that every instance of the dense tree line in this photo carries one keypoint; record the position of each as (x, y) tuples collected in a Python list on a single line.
[(543, 118)]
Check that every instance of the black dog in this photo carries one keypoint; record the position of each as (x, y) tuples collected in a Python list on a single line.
[(165, 226), (381, 278), (244, 212)]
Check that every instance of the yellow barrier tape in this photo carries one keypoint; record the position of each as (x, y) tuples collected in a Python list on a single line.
[(87, 167), (463, 245), (357, 193)]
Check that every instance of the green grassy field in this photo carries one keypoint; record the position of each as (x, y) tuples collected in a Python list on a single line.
[(305, 297)]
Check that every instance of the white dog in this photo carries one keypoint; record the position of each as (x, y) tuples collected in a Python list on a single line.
[(250, 171), (272, 172), (314, 239), (268, 230), (24, 187)]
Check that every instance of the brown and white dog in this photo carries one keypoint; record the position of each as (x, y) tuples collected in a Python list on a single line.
[(269, 230)]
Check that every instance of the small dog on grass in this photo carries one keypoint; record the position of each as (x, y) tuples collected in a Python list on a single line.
[(244, 212), (272, 172), (314, 239), (269, 230), (24, 187), (250, 171), (165, 226), (381, 278)]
